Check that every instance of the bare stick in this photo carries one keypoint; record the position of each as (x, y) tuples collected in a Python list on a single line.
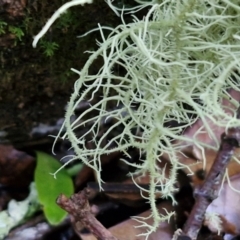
[(210, 188), (79, 209)]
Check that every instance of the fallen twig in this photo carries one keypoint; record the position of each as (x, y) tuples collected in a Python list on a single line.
[(209, 190), (79, 209)]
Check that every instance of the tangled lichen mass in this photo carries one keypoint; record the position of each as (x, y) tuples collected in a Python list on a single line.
[(181, 52)]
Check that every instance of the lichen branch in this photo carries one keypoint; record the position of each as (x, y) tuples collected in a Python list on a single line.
[(179, 54), (56, 15)]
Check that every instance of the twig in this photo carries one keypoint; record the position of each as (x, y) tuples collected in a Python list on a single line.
[(79, 209), (210, 188), (123, 188)]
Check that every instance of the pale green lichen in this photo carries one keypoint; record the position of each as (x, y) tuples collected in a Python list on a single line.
[(214, 221), (182, 52), (17, 212)]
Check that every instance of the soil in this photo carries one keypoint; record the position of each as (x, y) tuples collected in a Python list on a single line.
[(36, 84)]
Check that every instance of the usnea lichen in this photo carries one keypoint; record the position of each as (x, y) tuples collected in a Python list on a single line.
[(181, 53)]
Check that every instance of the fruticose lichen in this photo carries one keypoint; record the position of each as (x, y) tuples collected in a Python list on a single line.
[(181, 53)]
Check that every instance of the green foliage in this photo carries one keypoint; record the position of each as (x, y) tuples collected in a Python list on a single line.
[(27, 23), (49, 188), (74, 170), (17, 31), (49, 48), (66, 20), (2, 27)]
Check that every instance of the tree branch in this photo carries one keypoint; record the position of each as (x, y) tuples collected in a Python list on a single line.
[(210, 188), (79, 209)]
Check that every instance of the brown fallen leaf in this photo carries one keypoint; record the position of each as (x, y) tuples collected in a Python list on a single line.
[(128, 229), (203, 135), (196, 165), (193, 156), (85, 173), (133, 196), (16, 167), (227, 207)]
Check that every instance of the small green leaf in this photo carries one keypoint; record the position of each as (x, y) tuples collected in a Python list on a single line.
[(49, 188), (17, 31), (2, 27), (49, 47)]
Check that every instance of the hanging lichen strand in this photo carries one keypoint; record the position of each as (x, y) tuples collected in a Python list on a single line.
[(182, 52)]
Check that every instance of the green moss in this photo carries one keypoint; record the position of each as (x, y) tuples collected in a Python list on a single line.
[(49, 48), (2, 27), (71, 24)]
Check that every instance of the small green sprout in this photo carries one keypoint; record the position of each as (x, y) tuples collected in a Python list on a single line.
[(49, 48), (2, 27), (17, 31), (66, 20)]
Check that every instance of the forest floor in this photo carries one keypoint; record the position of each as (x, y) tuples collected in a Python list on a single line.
[(35, 86)]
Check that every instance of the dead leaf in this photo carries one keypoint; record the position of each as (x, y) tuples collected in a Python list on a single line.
[(228, 208), (193, 156), (127, 230), (16, 167), (141, 180), (203, 135), (85, 173), (195, 165)]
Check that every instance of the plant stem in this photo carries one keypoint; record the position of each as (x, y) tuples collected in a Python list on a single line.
[(210, 188), (79, 209)]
